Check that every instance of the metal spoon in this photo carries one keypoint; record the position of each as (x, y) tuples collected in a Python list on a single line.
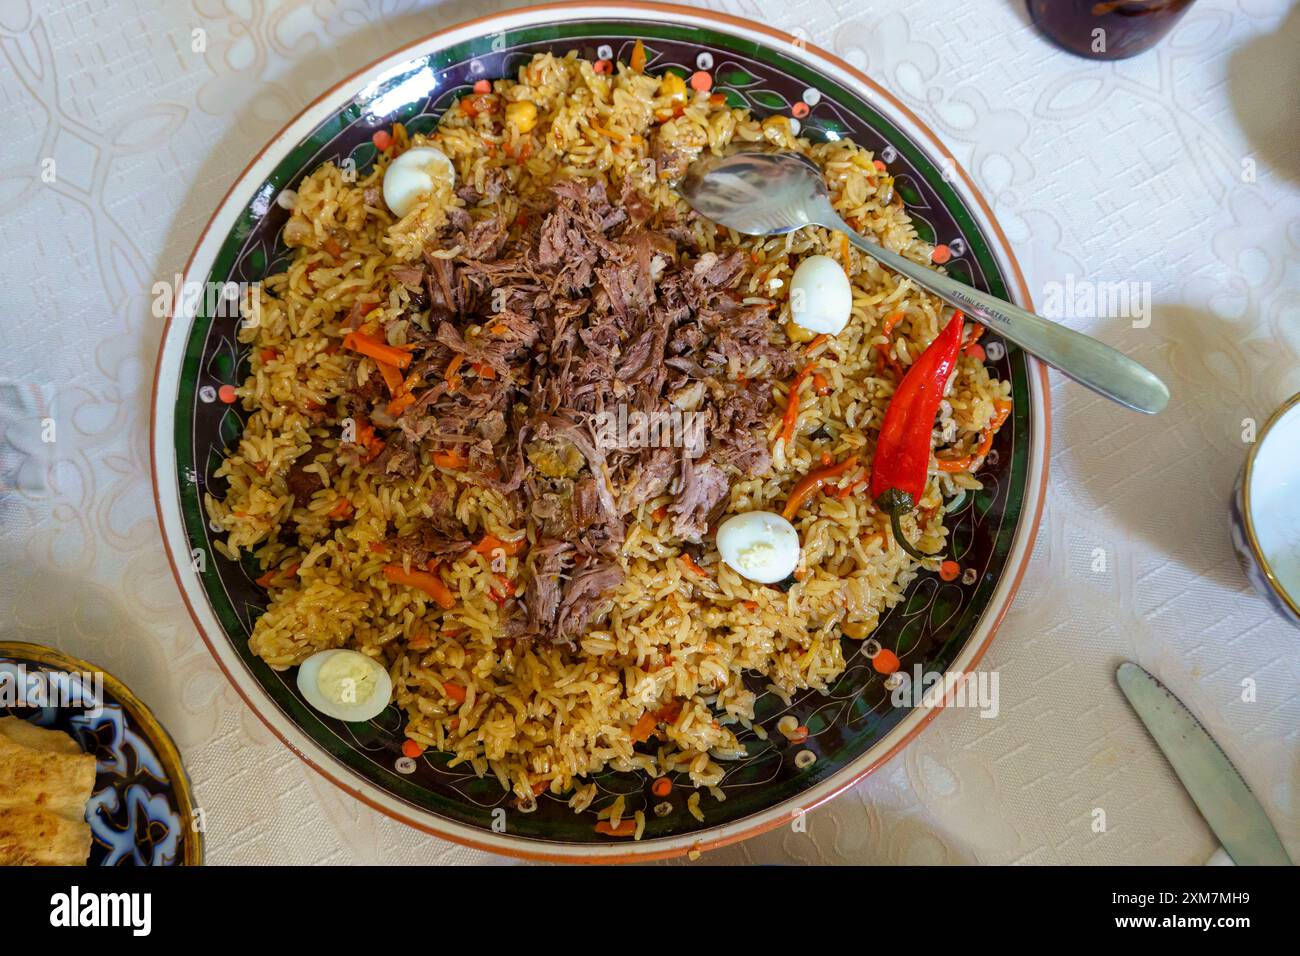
[(764, 193)]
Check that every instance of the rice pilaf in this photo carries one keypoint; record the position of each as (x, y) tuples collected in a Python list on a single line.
[(654, 681)]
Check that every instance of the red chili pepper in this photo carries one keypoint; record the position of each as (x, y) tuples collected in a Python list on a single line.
[(902, 460)]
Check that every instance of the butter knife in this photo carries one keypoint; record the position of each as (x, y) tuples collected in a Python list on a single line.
[(1226, 803)]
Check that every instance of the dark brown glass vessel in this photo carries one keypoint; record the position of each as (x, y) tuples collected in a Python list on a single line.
[(1107, 29)]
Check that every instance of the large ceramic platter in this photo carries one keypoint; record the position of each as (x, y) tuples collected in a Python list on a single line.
[(943, 626)]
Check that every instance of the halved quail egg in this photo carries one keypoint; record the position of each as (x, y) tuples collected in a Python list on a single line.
[(345, 685), (410, 176), (759, 545), (821, 298)]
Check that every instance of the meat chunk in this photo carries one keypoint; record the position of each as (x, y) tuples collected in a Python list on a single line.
[(741, 441), (547, 561), (671, 161), (589, 587), (704, 487), (431, 539), (652, 477), (303, 484)]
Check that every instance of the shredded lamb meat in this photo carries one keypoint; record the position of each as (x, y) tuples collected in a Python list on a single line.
[(579, 310)]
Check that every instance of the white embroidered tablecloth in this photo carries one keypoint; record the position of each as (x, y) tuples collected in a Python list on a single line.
[(1179, 168)]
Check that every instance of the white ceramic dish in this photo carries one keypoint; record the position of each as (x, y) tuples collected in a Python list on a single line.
[(1266, 511)]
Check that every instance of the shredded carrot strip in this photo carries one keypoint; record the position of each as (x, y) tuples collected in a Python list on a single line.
[(659, 513), (491, 543), (1001, 410), (844, 250), (392, 377), (426, 581), (814, 481), (661, 787), (453, 368), (953, 465), (400, 404), (637, 62), (791, 416), (377, 350), (625, 828), (816, 343), (342, 509), (270, 576), (611, 134), (454, 691), (691, 566), (368, 440), (478, 103), (644, 728), (452, 459), (839, 494), (887, 329), (820, 385)]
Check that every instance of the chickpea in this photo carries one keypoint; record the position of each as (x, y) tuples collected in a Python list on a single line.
[(797, 333), (522, 115), (673, 87)]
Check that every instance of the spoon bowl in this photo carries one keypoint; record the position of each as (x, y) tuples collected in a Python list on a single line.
[(756, 191), (765, 192)]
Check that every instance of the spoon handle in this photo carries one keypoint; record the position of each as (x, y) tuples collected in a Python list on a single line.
[(1084, 359)]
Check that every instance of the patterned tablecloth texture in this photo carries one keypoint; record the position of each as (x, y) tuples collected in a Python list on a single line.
[(1177, 171)]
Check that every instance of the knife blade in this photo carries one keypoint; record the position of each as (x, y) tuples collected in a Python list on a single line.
[(1219, 792)]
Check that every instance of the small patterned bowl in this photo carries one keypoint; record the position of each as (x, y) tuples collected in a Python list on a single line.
[(1266, 511), (141, 811), (942, 626)]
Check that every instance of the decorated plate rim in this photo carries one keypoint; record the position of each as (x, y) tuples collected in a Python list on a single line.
[(164, 471)]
